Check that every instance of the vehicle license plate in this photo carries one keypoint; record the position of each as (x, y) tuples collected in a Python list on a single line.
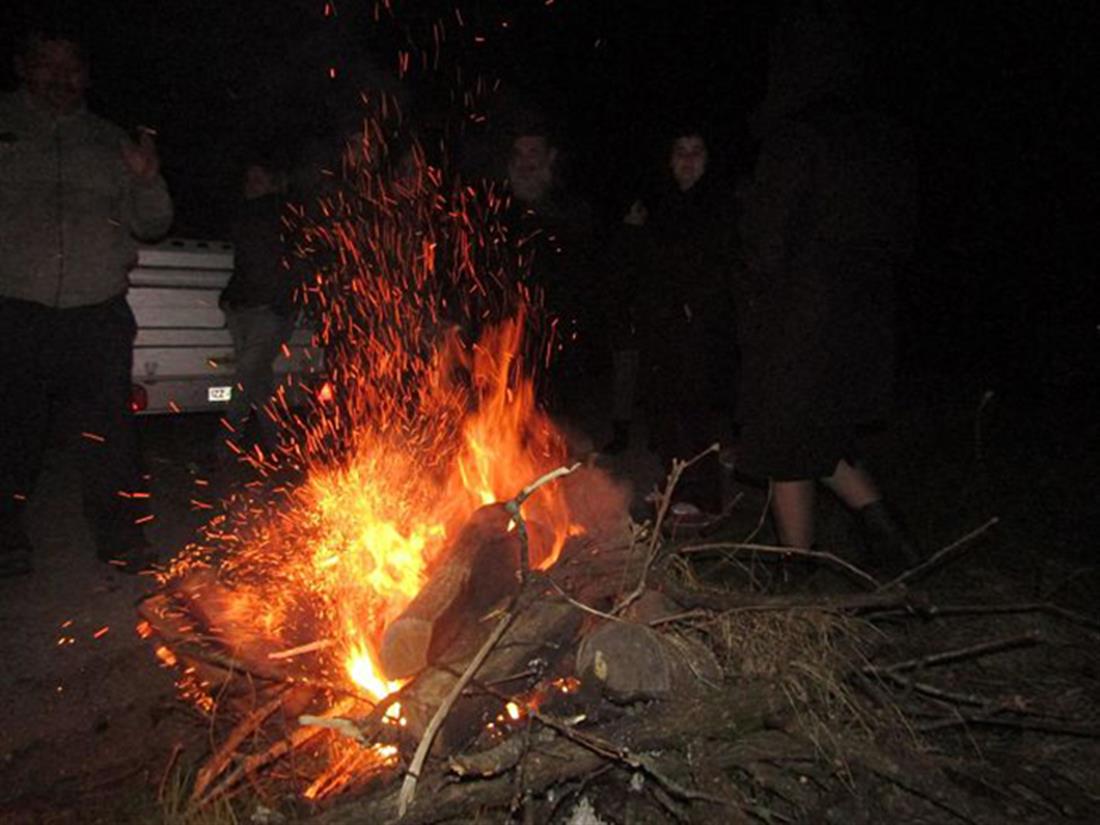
[(219, 393)]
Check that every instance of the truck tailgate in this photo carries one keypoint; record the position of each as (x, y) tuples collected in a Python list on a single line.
[(183, 354)]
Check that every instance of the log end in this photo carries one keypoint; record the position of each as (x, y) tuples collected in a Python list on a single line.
[(404, 649)]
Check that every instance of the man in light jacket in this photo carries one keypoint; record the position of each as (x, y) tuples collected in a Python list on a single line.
[(76, 193)]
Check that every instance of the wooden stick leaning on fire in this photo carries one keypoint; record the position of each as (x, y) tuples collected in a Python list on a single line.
[(508, 615)]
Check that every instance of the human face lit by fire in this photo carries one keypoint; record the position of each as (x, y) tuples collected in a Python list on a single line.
[(688, 161), (531, 167), (55, 75)]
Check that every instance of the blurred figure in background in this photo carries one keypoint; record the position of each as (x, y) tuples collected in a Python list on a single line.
[(683, 315), (259, 307), (551, 231), (623, 265)]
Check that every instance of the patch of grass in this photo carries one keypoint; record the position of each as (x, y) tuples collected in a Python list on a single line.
[(810, 656), (176, 807)]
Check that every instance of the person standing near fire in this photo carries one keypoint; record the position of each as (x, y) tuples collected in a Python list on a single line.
[(552, 232), (258, 303), (75, 195), (683, 316), (829, 217)]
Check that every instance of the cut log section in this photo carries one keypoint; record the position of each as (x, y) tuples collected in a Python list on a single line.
[(477, 571), (632, 662), (544, 632)]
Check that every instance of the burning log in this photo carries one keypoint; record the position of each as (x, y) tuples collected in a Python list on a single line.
[(544, 630), (477, 571), (203, 609)]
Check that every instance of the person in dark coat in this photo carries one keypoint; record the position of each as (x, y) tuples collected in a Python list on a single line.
[(551, 233), (684, 318), (258, 304), (828, 219)]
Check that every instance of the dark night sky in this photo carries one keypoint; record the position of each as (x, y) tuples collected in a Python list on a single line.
[(999, 94)]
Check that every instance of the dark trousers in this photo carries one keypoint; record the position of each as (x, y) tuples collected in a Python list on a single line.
[(258, 334), (65, 374), (681, 413)]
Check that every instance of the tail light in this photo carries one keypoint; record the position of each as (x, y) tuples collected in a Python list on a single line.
[(139, 398)]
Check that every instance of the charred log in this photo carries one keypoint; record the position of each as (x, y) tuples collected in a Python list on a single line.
[(477, 571)]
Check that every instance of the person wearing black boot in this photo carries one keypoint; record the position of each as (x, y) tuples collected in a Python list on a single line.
[(828, 219)]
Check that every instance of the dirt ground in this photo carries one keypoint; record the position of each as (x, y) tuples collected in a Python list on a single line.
[(91, 731)]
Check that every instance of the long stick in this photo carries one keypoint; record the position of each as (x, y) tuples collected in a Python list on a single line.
[(937, 557), (408, 786), (513, 507), (224, 755), (935, 692), (800, 552), (1060, 729), (979, 609), (296, 739), (971, 652)]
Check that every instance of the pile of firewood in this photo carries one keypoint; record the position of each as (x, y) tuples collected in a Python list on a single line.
[(529, 688)]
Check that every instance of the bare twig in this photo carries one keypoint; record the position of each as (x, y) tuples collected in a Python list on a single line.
[(224, 755), (971, 652), (189, 649), (577, 604), (526, 492), (1081, 731), (677, 470), (284, 746), (320, 644), (933, 691), (763, 517), (345, 727), (939, 555), (408, 786), (818, 555), (177, 749), (513, 507), (934, 611)]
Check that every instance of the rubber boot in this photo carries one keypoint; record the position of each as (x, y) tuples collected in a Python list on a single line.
[(885, 542)]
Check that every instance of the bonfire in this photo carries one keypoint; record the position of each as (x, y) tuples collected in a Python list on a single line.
[(423, 607), (433, 417)]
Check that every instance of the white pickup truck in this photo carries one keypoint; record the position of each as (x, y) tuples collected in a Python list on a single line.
[(183, 354)]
